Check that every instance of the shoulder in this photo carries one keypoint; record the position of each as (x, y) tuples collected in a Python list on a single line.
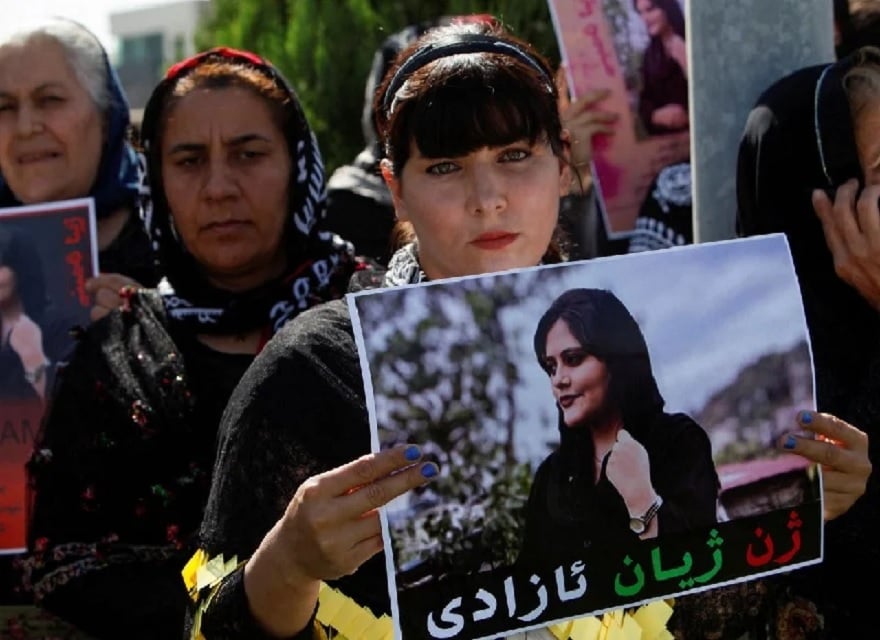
[(312, 352), (680, 434), (123, 342)]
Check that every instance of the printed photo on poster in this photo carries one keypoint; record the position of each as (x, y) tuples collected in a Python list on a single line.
[(605, 433), (47, 252), (637, 50)]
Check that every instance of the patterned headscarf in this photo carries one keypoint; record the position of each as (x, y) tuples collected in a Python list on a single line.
[(117, 181), (319, 264)]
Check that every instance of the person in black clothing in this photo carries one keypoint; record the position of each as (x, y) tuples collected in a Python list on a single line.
[(63, 111), (33, 337), (122, 465), (663, 100), (798, 139), (624, 468)]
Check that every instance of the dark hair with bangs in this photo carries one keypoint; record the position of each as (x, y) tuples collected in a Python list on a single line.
[(464, 102), (458, 104)]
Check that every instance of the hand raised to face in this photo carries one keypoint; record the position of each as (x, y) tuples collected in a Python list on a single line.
[(851, 225), (629, 470)]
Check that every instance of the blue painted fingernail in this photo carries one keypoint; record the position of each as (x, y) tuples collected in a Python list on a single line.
[(806, 417), (429, 470), (412, 453), (789, 443)]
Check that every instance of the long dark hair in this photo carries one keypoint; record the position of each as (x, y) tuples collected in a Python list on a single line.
[(20, 254), (604, 328), (674, 14)]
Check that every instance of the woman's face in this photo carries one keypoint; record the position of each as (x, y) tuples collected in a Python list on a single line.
[(579, 380), (866, 128), (653, 16), (51, 132), (225, 172), (490, 210), (7, 286)]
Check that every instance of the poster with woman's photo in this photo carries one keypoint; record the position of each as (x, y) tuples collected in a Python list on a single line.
[(635, 49), (47, 252), (606, 432)]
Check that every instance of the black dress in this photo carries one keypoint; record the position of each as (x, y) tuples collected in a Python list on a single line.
[(567, 508), (268, 448), (122, 471)]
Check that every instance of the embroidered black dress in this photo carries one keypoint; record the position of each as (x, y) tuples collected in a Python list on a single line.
[(124, 471)]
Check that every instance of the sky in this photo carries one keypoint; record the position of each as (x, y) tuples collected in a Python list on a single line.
[(93, 14)]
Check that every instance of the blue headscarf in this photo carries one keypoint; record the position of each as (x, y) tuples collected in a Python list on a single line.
[(118, 178)]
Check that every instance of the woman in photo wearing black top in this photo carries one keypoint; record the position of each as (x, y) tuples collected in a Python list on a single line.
[(624, 467), (663, 102), (32, 336)]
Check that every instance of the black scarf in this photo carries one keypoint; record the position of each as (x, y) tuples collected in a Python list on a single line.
[(319, 263)]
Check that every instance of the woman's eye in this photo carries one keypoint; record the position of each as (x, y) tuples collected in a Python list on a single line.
[(51, 100), (441, 168), (250, 154), (187, 161), (573, 358), (515, 155)]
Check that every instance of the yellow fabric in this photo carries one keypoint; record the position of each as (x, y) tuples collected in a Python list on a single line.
[(354, 622)]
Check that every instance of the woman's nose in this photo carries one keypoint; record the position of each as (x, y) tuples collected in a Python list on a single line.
[(28, 121), (487, 191), (219, 183)]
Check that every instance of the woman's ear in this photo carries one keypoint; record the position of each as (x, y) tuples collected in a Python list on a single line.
[(395, 188)]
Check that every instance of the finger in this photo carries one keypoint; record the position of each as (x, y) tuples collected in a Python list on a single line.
[(113, 281), (825, 210), (590, 98), (380, 492), (364, 550), (838, 483), (368, 468), (846, 214), (107, 298), (832, 427), (868, 214), (562, 88), (823, 453)]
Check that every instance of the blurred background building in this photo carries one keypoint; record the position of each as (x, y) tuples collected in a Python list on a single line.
[(149, 39)]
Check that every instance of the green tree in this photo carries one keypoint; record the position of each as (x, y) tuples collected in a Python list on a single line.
[(325, 48)]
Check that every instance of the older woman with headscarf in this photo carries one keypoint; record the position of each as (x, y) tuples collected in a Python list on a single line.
[(122, 468), (64, 134)]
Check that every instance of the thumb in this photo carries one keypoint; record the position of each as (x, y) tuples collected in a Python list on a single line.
[(822, 204)]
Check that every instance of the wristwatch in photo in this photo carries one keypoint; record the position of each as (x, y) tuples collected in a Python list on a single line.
[(34, 377), (639, 524)]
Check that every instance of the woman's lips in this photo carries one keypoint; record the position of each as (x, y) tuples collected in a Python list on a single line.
[(37, 156), (494, 240), (566, 401), (226, 226)]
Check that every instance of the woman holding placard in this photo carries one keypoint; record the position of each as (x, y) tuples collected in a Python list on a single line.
[(476, 162), (64, 134)]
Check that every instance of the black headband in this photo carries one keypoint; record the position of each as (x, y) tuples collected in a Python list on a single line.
[(455, 45)]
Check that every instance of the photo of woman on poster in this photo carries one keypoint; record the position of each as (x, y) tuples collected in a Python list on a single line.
[(624, 467), (663, 100), (32, 338)]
